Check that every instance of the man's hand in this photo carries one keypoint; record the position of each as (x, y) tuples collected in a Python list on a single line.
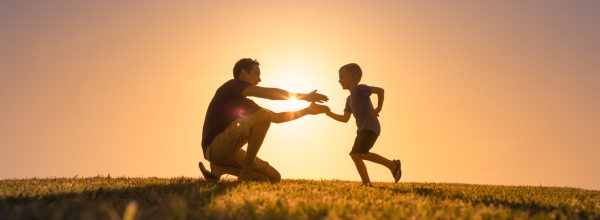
[(313, 97), (314, 109)]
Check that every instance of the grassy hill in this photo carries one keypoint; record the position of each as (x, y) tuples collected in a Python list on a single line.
[(180, 198)]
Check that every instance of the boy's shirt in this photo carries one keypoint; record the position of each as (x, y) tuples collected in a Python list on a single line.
[(359, 104)]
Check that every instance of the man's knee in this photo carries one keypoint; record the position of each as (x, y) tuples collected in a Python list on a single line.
[(275, 177), (272, 173), (262, 115), (266, 169)]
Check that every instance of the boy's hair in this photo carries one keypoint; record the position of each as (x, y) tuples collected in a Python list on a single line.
[(353, 69), (245, 63)]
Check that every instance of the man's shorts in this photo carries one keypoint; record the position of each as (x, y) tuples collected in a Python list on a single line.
[(226, 149), (365, 139), (229, 141)]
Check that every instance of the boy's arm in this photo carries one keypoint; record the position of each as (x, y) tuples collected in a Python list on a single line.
[(379, 92), (341, 118)]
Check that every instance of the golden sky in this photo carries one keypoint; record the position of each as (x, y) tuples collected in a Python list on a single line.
[(476, 92)]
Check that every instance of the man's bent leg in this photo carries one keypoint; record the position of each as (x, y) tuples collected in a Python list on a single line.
[(260, 167), (258, 124), (262, 171), (235, 170)]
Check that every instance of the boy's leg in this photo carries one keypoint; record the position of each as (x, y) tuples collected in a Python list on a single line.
[(376, 158), (362, 169), (258, 124), (392, 165), (364, 141)]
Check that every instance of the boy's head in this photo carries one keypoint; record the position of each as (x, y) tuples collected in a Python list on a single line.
[(350, 75)]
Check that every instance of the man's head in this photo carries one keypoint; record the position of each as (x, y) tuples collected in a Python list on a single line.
[(350, 74), (247, 69)]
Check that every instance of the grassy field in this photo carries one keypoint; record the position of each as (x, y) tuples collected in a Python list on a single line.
[(181, 198)]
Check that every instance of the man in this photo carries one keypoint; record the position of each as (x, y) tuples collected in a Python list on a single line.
[(232, 120)]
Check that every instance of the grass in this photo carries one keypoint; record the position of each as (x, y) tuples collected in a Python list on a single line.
[(192, 198)]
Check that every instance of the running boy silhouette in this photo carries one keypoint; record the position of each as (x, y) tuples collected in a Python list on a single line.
[(359, 104)]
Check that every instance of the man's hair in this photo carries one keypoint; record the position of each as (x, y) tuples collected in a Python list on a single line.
[(245, 63), (353, 69)]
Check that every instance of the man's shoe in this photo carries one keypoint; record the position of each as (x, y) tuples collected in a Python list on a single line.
[(397, 171), (207, 174)]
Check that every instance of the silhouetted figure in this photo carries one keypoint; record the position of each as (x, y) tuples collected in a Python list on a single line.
[(359, 104), (232, 120)]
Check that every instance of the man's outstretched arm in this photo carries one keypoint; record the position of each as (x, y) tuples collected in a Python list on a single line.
[(313, 109), (280, 94)]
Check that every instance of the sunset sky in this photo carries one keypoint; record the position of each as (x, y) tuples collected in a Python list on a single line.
[(485, 92)]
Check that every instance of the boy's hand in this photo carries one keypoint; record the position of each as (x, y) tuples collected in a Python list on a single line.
[(313, 97), (317, 109), (376, 112)]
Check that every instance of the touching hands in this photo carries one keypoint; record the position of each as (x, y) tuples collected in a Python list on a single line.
[(313, 97), (314, 109)]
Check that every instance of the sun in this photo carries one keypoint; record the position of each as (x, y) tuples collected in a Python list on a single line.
[(291, 104), (294, 104), (293, 76)]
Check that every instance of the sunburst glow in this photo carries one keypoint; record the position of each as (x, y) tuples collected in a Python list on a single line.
[(290, 84), (294, 104)]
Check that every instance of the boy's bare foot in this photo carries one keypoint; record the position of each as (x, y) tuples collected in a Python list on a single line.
[(367, 184), (207, 174), (397, 172)]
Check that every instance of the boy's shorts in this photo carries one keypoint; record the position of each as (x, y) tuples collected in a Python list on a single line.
[(364, 141)]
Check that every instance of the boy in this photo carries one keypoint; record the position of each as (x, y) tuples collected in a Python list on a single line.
[(359, 104)]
